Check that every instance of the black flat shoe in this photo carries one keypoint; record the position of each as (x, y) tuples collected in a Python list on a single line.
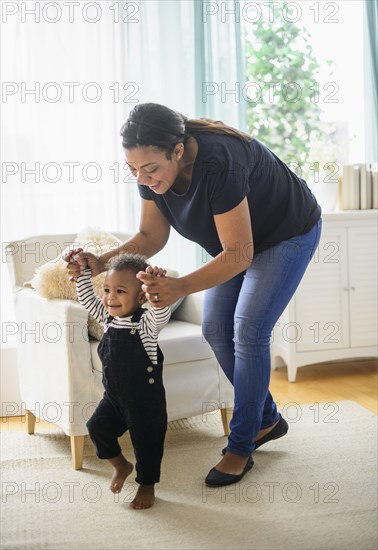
[(279, 430), (215, 478)]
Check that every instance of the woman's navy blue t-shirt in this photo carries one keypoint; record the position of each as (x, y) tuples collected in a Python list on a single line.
[(227, 169)]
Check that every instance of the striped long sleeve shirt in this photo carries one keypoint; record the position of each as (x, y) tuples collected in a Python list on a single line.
[(148, 327)]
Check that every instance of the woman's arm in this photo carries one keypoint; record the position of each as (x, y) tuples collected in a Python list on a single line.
[(152, 236), (235, 234)]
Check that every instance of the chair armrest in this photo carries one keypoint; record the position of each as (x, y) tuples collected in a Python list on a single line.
[(54, 359), (190, 310)]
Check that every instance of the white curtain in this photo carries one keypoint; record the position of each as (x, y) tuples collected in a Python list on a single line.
[(67, 131), (220, 62), (88, 68)]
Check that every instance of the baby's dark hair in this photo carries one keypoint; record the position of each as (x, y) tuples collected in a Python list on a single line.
[(128, 262)]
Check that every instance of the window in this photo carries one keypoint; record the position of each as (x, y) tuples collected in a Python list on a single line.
[(305, 84)]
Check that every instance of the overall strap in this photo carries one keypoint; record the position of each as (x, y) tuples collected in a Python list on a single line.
[(138, 315)]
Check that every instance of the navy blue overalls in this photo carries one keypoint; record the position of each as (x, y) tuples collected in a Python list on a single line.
[(134, 400)]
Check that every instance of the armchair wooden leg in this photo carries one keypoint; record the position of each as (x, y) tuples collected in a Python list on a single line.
[(30, 422), (77, 450), (226, 417)]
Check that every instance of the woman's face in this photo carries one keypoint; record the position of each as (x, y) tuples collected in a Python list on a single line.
[(152, 168)]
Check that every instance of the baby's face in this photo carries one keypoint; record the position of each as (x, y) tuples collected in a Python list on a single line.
[(122, 293)]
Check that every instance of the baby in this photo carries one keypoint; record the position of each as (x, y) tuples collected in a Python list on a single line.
[(132, 363)]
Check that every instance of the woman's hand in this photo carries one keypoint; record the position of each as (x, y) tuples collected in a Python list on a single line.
[(78, 260), (167, 290)]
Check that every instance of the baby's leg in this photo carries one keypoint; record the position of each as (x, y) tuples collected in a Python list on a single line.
[(104, 427), (122, 469), (147, 433), (144, 498)]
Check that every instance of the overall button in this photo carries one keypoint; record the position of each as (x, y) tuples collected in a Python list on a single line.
[(133, 331), (150, 369), (151, 380)]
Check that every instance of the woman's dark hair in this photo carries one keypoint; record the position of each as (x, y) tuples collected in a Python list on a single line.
[(128, 262), (151, 124)]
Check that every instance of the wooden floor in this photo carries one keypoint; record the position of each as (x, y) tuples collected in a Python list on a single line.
[(328, 382), (324, 383)]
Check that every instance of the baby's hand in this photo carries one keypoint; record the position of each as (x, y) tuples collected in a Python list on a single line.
[(69, 256), (75, 257), (156, 271)]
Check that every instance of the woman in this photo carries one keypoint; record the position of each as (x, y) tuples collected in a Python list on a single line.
[(260, 223)]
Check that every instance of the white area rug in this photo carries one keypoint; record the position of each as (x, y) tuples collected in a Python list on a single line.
[(316, 488)]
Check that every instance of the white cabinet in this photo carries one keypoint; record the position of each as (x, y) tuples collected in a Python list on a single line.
[(333, 314)]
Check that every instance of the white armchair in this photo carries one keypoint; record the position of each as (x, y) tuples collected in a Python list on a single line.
[(59, 369)]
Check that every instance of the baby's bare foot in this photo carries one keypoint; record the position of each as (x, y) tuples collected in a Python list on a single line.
[(122, 469), (144, 498)]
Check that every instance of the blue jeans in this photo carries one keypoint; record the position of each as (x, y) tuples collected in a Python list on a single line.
[(239, 316)]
